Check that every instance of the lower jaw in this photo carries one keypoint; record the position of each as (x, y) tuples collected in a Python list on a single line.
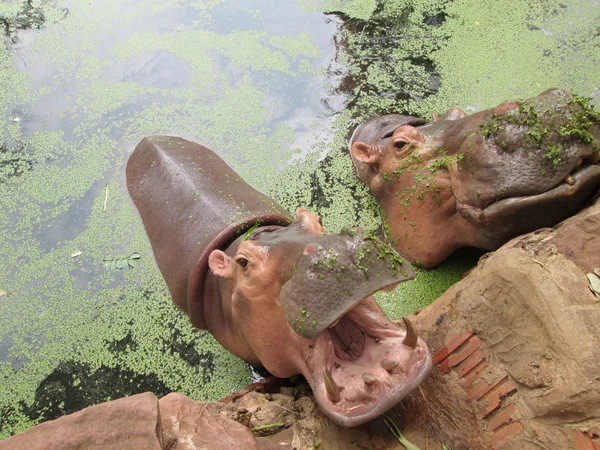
[(362, 413), (517, 215), (386, 394)]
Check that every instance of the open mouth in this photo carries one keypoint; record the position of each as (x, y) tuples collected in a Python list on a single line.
[(576, 187), (365, 364)]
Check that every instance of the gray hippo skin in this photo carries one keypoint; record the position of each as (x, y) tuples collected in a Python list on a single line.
[(274, 290), (482, 179)]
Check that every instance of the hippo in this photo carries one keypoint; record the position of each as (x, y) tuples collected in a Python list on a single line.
[(479, 180), (274, 289)]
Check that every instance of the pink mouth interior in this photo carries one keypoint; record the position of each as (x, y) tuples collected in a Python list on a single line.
[(353, 351)]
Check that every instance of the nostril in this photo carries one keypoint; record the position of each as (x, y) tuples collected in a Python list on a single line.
[(505, 107), (311, 248)]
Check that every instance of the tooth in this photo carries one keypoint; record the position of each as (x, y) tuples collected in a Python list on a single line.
[(389, 364), (579, 162), (369, 379), (333, 390), (410, 340), (569, 180)]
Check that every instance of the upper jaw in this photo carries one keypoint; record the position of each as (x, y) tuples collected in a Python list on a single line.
[(373, 376)]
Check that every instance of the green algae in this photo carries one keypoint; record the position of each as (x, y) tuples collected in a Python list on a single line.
[(421, 57), (428, 285), (96, 313), (417, 57), (18, 14), (353, 9), (548, 44), (61, 312)]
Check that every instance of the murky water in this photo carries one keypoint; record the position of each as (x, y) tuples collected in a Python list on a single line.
[(246, 78), (82, 82)]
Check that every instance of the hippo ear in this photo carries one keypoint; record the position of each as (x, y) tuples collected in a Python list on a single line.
[(454, 114), (364, 153), (220, 264)]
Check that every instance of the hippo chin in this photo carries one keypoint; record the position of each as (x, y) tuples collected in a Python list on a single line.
[(274, 290), (482, 179)]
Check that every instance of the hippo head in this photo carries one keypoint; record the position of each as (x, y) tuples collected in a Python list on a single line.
[(273, 290), (482, 179)]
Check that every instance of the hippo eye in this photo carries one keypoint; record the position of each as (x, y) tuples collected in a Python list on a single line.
[(399, 144), (243, 262)]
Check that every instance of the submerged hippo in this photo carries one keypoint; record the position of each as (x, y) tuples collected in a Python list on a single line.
[(479, 180), (273, 290)]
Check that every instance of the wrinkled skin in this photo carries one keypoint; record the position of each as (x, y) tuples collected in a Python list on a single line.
[(482, 179), (356, 350), (276, 291)]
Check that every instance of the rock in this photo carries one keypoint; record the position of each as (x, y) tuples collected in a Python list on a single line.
[(190, 425), (127, 423), (517, 346)]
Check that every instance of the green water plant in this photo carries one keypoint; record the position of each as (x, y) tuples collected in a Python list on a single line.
[(595, 283), (398, 435), (126, 262)]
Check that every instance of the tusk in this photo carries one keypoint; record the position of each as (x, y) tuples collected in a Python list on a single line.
[(369, 379), (333, 390), (389, 364), (410, 340), (569, 180)]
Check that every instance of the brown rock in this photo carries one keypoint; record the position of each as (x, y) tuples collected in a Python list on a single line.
[(127, 423), (268, 409), (517, 345), (188, 425)]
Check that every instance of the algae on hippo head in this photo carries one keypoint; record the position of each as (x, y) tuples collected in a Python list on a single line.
[(335, 273), (479, 180)]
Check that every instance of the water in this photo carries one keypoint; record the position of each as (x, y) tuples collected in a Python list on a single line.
[(256, 81), (82, 87)]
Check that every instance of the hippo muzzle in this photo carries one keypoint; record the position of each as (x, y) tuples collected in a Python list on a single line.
[(277, 291), (483, 178)]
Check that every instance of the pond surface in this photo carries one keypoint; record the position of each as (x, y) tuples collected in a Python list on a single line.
[(262, 84), (83, 83)]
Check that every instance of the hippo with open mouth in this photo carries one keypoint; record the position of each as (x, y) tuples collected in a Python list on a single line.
[(274, 290), (482, 179)]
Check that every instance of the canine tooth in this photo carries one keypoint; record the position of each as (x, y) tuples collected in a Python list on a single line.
[(389, 364), (333, 390), (410, 340), (579, 162), (569, 180), (369, 379)]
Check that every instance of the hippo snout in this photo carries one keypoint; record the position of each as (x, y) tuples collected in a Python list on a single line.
[(335, 273), (529, 149)]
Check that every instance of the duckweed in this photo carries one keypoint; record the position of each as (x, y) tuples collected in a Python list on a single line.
[(71, 316)]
